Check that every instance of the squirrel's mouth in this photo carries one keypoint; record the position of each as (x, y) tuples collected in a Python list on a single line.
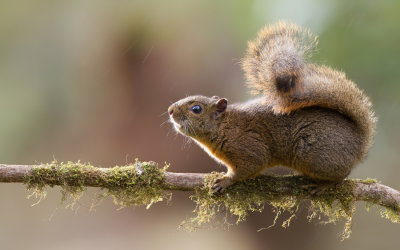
[(178, 127), (182, 125)]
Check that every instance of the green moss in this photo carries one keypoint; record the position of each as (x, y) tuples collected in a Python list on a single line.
[(70, 175), (391, 214), (141, 183), (369, 181), (282, 193), (138, 184)]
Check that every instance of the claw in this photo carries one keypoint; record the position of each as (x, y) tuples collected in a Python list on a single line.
[(218, 189), (221, 184)]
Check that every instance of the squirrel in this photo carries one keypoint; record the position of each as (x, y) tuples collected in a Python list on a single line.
[(309, 117)]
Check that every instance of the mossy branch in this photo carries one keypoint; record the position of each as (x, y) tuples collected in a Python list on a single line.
[(143, 183)]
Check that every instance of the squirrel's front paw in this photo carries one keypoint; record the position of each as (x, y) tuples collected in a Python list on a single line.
[(222, 183)]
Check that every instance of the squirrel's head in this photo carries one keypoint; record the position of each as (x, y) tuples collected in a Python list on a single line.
[(197, 116)]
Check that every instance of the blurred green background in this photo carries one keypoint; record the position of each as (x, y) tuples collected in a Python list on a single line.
[(88, 80)]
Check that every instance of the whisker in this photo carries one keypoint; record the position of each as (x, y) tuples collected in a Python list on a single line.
[(163, 113), (189, 137), (186, 137), (162, 124), (191, 126), (187, 142), (169, 131)]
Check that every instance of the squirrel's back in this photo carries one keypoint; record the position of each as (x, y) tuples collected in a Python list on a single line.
[(276, 65)]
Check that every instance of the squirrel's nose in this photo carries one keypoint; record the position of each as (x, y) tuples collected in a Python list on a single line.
[(170, 110)]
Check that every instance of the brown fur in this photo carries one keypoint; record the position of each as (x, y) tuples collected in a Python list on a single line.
[(310, 118)]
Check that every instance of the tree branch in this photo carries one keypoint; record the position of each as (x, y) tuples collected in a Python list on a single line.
[(143, 183), (173, 181), (369, 191)]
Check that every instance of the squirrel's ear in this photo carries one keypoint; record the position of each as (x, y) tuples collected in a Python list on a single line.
[(221, 105)]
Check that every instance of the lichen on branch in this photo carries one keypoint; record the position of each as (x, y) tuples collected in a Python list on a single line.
[(140, 183), (144, 183), (252, 196)]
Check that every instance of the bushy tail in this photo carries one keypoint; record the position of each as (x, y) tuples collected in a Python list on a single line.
[(276, 65)]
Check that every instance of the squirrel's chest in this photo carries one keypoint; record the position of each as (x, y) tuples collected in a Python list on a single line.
[(217, 156)]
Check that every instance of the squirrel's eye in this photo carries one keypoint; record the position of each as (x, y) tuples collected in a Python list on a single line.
[(196, 109)]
